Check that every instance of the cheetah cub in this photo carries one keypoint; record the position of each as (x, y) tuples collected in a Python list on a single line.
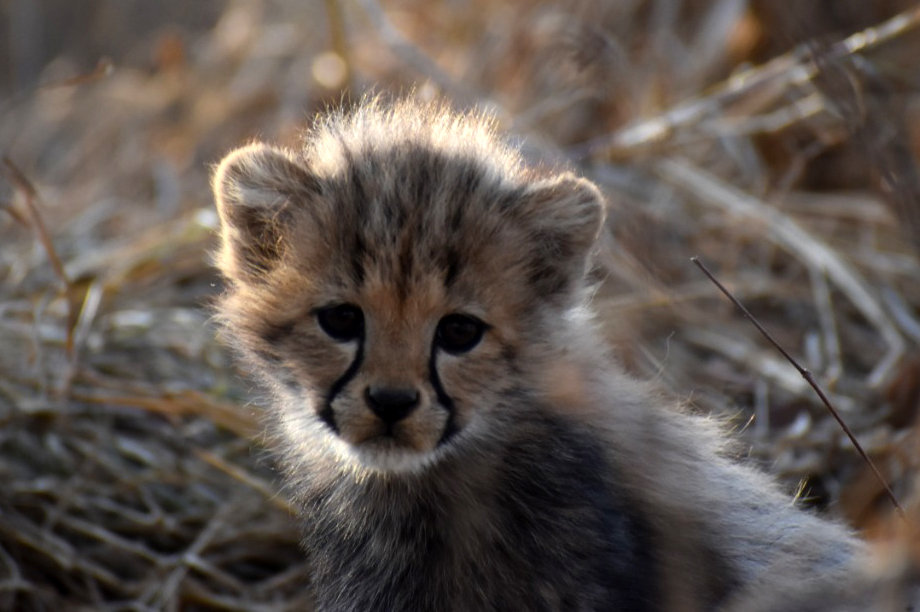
[(455, 433)]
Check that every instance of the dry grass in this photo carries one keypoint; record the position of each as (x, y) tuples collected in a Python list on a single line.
[(778, 145)]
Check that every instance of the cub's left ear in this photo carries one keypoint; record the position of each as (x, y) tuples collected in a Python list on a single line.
[(256, 188), (569, 207), (566, 214)]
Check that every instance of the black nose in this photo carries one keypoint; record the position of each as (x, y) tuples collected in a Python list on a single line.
[(391, 405)]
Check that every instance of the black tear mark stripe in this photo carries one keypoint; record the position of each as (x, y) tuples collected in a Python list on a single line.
[(326, 413), (443, 399)]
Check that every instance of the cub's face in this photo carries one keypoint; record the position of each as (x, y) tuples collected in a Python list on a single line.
[(391, 299)]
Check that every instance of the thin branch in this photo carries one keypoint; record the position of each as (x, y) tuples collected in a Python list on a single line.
[(809, 378), (30, 195), (830, 339)]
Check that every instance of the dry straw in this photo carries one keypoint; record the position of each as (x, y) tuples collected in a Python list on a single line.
[(131, 459)]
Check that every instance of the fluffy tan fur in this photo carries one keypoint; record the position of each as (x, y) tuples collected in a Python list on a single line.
[(531, 471)]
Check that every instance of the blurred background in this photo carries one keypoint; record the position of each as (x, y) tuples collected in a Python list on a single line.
[(776, 141)]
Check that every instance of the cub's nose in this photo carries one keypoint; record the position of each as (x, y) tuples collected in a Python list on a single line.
[(391, 404)]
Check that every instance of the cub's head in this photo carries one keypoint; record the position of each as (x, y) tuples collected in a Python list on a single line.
[(396, 281)]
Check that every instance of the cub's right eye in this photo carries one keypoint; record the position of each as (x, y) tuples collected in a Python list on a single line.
[(458, 333), (343, 322)]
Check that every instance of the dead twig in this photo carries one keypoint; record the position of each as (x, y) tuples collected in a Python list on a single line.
[(247, 478), (30, 196), (104, 67), (810, 379), (185, 403)]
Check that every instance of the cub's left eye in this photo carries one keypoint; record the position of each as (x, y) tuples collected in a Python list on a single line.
[(459, 333), (343, 322)]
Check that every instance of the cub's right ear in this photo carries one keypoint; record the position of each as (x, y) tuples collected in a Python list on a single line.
[(255, 188)]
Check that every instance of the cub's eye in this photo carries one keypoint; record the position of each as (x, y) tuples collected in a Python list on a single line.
[(343, 322), (459, 333)]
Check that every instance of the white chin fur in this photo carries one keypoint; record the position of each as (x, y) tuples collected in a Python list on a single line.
[(378, 455), (385, 456)]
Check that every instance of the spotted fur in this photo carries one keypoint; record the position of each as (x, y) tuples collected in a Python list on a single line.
[(530, 473)]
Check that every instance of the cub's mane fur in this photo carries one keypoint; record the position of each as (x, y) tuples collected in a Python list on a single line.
[(376, 127)]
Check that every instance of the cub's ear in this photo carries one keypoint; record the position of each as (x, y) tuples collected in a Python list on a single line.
[(565, 214), (256, 188)]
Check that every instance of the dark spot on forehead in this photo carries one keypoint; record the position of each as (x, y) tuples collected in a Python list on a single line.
[(456, 218), (468, 178), (451, 264), (394, 212), (355, 180), (404, 267), (358, 253)]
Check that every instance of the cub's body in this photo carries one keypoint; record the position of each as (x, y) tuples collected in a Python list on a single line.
[(450, 422), (481, 531)]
